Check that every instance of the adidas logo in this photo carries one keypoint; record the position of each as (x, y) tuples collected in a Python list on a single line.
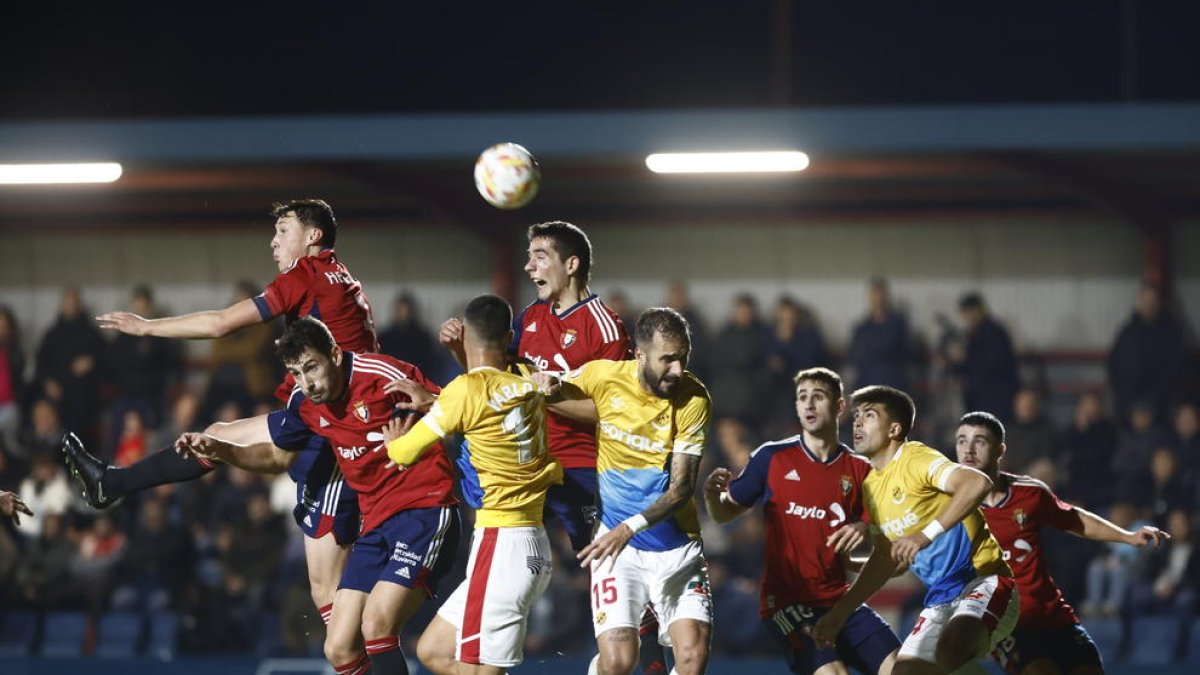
[(324, 422), (403, 572), (531, 328), (308, 520), (792, 475)]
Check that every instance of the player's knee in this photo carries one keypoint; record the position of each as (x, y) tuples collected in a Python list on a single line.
[(691, 659), (619, 656), (376, 625), (434, 656), (339, 651)]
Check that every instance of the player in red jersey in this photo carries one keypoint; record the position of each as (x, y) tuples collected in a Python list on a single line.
[(410, 525), (1048, 638), (311, 281), (810, 486)]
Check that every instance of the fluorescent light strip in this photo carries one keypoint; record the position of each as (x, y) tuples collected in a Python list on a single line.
[(727, 162), (50, 174)]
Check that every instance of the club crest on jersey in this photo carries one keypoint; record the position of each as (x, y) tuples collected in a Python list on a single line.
[(568, 338), (361, 411), (1020, 518), (846, 485), (897, 495)]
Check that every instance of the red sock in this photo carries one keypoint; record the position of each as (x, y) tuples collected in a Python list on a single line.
[(356, 667), (326, 612)]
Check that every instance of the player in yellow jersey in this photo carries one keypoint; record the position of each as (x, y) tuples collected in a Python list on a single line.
[(925, 514), (506, 472), (653, 424)]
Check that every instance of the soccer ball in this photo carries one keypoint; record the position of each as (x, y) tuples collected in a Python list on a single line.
[(507, 176)]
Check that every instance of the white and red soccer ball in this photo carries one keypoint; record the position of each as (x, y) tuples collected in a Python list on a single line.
[(507, 176)]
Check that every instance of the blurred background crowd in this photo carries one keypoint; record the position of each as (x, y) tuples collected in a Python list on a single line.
[(216, 565)]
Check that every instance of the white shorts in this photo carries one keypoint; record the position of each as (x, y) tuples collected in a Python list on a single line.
[(992, 598), (508, 571), (674, 583)]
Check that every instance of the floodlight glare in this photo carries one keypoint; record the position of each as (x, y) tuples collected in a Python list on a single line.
[(50, 174), (727, 162)]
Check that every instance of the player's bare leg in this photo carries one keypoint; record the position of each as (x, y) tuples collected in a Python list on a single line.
[(690, 640), (388, 608), (437, 647), (832, 668), (618, 651), (911, 665), (343, 636), (325, 560), (889, 663), (964, 639)]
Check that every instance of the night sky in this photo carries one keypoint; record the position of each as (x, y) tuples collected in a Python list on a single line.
[(191, 58)]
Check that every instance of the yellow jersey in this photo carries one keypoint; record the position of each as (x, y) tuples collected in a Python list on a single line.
[(906, 496), (505, 469), (636, 436)]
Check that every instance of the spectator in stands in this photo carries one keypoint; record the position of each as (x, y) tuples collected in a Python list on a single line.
[(618, 301), (1135, 445), (132, 440), (157, 564), (1109, 574), (244, 367), (1147, 355), (1168, 489), (880, 347), (45, 491), (140, 368), (69, 364), (679, 300), (794, 343), (1087, 449), (738, 371), (1187, 439), (406, 337), (184, 417), (1170, 578), (45, 432), (986, 362), (12, 378), (44, 574), (255, 548), (93, 567), (1030, 434)]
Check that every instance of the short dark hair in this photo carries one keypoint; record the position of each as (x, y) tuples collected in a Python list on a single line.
[(303, 333), (567, 240), (987, 420), (312, 213), (971, 300), (823, 375), (490, 317), (898, 405), (664, 320)]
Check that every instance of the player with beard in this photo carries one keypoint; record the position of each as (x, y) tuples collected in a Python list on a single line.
[(1048, 639), (653, 425), (810, 486)]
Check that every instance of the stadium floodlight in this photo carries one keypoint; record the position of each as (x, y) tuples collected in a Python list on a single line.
[(52, 174), (727, 162)]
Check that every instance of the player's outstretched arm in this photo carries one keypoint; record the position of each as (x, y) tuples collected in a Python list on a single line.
[(257, 457), (1096, 528), (684, 470), (967, 488), (206, 324), (721, 506), (879, 567)]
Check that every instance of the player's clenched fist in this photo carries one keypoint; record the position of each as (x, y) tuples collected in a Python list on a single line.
[(718, 481), (451, 332)]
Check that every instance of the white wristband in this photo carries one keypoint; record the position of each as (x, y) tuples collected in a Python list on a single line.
[(637, 522), (933, 530)]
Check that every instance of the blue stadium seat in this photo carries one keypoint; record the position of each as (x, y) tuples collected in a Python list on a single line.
[(1153, 639), (120, 635), (64, 634), (270, 635), (18, 632), (1193, 655), (161, 640)]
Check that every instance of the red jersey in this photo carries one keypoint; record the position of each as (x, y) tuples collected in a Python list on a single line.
[(804, 501), (561, 342), (1017, 522), (319, 286), (352, 427)]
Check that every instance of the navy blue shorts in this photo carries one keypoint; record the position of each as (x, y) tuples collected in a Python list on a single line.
[(324, 503), (1068, 647), (573, 503), (865, 640), (415, 548)]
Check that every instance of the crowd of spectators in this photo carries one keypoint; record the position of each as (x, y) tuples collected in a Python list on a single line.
[(220, 553)]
